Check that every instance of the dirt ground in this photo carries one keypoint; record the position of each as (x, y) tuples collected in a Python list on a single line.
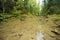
[(31, 28)]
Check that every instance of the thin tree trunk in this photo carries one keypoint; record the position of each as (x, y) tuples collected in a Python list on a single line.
[(3, 7)]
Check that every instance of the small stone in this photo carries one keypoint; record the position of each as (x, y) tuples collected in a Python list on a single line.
[(19, 35), (32, 38)]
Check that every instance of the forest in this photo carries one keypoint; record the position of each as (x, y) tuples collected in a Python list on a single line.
[(29, 19), (10, 8)]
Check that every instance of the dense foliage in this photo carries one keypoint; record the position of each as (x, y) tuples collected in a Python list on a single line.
[(19, 7), (51, 7)]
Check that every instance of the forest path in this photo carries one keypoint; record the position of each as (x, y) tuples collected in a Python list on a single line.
[(29, 29)]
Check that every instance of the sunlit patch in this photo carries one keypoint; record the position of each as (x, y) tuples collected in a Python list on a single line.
[(39, 36), (23, 0), (37, 1), (41, 2)]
